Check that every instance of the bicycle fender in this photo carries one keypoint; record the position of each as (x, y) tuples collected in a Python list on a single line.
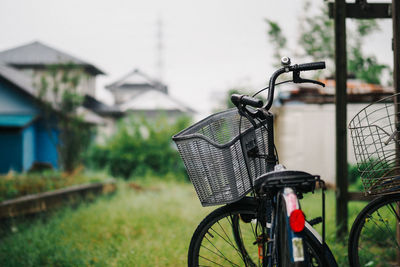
[(295, 240)]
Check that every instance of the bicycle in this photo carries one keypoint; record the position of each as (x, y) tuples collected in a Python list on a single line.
[(375, 234), (231, 159)]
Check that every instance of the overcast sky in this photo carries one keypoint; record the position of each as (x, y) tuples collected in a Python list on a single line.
[(209, 46)]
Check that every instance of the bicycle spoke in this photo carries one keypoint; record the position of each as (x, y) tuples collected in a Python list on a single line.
[(394, 212), (230, 241), (210, 261), (247, 259), (233, 246), (383, 221), (376, 223), (223, 230), (254, 232), (221, 255)]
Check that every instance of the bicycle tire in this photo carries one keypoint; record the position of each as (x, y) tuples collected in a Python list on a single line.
[(282, 231), (375, 227), (320, 255)]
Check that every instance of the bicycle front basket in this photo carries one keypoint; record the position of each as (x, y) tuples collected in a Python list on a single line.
[(215, 160), (375, 132)]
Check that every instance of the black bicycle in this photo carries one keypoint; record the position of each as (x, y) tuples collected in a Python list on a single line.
[(231, 159), (375, 235)]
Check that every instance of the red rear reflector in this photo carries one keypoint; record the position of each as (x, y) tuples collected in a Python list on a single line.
[(297, 220)]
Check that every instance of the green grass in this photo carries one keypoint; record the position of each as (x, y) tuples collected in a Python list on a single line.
[(311, 206), (151, 226)]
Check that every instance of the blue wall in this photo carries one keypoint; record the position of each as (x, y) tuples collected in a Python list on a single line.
[(10, 150), (20, 147), (46, 146), (28, 147)]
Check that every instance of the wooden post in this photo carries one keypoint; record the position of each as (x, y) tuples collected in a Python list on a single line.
[(396, 45), (341, 118), (396, 85), (339, 11)]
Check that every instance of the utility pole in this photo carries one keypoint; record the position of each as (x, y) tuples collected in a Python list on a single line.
[(160, 50), (341, 117)]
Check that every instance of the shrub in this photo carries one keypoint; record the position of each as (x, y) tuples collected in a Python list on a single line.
[(140, 146), (374, 168), (353, 173), (16, 185)]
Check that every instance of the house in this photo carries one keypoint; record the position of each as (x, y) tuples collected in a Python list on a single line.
[(109, 115), (25, 136), (28, 133), (138, 93), (35, 59), (305, 124)]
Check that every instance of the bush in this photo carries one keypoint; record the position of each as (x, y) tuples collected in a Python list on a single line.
[(140, 146), (353, 173), (374, 168), (16, 185)]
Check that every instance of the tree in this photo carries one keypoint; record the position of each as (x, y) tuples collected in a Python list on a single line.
[(316, 41), (58, 90), (278, 40)]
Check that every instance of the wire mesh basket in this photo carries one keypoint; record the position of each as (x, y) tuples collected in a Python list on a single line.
[(375, 132), (217, 162)]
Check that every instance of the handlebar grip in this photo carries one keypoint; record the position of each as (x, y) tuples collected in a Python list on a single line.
[(311, 66), (246, 100)]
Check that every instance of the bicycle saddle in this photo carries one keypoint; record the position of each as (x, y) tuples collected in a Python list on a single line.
[(301, 181)]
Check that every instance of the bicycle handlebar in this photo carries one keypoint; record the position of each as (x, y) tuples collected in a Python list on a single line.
[(244, 100), (294, 68), (311, 66)]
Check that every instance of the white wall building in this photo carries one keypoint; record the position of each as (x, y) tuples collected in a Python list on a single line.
[(305, 131)]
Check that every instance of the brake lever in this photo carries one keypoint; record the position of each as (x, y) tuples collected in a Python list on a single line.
[(298, 79)]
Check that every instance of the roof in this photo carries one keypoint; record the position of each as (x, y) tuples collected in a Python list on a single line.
[(89, 116), (100, 108), (154, 100), (136, 79), (24, 83), (357, 92), (37, 54), (19, 79), (7, 120), (356, 87)]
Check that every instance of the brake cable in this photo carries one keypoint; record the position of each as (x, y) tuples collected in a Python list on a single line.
[(266, 88)]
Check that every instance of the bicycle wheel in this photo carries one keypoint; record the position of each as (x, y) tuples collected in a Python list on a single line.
[(282, 235), (374, 236), (228, 237)]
